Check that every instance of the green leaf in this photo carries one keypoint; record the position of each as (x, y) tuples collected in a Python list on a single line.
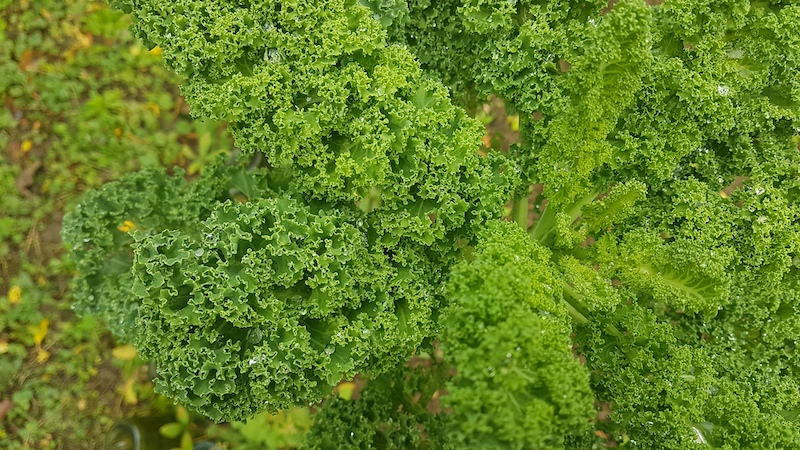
[(172, 430), (182, 416), (186, 441)]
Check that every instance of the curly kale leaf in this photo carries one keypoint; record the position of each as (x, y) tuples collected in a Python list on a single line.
[(315, 87), (669, 389), (613, 90), (393, 411), (707, 251), (570, 68), (722, 88), (98, 234), (518, 383), (268, 304)]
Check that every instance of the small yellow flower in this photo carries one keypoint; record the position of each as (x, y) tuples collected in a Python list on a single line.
[(26, 146), (127, 226), (42, 355), (14, 295)]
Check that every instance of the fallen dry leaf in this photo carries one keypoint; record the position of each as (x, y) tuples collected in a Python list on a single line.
[(5, 407), (25, 179), (128, 394), (14, 149), (40, 331), (345, 390), (27, 60), (124, 352)]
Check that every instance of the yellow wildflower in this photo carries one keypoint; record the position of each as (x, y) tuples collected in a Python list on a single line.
[(14, 295), (127, 226)]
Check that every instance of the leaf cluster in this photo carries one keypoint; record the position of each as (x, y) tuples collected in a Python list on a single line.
[(320, 251)]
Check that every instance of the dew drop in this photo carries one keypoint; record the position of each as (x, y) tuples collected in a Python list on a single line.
[(257, 359), (272, 55), (255, 336), (698, 436)]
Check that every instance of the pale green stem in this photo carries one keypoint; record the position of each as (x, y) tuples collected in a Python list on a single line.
[(519, 210)]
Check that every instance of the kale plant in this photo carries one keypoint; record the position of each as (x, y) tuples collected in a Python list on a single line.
[(645, 293)]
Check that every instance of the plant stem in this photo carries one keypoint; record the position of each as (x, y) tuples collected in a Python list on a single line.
[(579, 317), (519, 210)]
